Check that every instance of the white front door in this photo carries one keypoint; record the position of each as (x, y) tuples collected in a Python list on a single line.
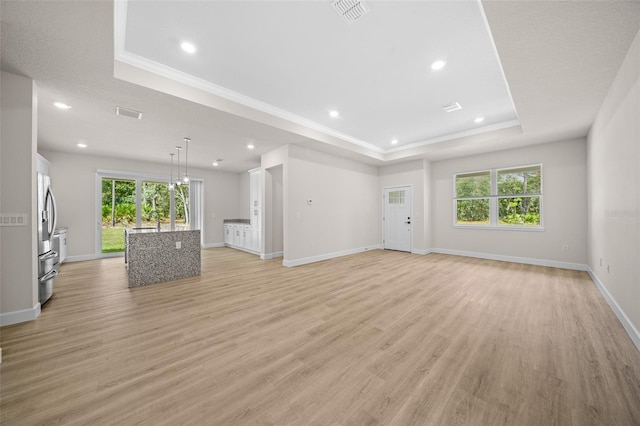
[(397, 218)]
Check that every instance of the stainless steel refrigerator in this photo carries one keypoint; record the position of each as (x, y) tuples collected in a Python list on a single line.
[(47, 257)]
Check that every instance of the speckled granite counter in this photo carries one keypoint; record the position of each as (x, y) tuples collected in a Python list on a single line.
[(153, 257)]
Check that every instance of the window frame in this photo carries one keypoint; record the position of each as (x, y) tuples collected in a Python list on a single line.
[(494, 198)]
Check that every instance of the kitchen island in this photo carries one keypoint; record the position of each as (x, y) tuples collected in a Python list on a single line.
[(154, 256)]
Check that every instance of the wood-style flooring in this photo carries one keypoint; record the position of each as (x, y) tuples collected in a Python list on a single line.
[(377, 338)]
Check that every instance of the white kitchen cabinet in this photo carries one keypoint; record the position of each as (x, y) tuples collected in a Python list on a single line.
[(228, 232), (238, 235), (255, 208), (248, 238), (242, 235), (60, 244)]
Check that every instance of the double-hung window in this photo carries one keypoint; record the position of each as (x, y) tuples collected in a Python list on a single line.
[(504, 198)]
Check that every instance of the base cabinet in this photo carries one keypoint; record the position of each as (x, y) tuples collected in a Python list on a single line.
[(238, 236), (242, 236), (228, 231)]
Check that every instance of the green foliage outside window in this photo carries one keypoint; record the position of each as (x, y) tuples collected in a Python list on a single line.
[(518, 197), (476, 210), (520, 208)]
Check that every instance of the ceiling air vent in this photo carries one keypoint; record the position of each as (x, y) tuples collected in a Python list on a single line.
[(453, 106), (350, 10), (129, 113)]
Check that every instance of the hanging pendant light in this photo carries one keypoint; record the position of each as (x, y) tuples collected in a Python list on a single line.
[(171, 179), (185, 179), (178, 181)]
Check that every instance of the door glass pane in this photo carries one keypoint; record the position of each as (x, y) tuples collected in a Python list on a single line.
[(118, 212), (155, 204), (182, 206)]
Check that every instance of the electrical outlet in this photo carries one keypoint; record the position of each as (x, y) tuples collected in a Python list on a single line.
[(178, 244)]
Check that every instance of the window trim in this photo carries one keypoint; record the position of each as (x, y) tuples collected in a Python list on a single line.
[(493, 200)]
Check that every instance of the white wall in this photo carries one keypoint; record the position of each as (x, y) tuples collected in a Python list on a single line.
[(74, 182), (18, 245), (345, 214), (428, 211), (614, 200), (244, 207), (564, 200), (411, 173)]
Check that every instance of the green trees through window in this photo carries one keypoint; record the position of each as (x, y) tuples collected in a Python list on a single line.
[(503, 197), (519, 193), (119, 208)]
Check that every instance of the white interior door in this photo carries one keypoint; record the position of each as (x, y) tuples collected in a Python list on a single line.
[(397, 218)]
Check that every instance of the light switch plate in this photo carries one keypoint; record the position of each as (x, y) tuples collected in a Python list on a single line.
[(13, 219)]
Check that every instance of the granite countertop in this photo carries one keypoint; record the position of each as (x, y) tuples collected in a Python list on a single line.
[(244, 221)]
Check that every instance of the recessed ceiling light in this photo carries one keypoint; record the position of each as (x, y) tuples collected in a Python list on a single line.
[(334, 114), (478, 120), (438, 65), (250, 146), (188, 47), (81, 145), (215, 163), (62, 105), (394, 142)]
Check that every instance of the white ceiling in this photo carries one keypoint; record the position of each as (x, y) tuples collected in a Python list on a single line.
[(267, 73)]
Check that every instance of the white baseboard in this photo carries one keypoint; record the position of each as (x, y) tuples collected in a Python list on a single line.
[(24, 315), (514, 259), (80, 258), (327, 256), (421, 251), (269, 256), (213, 245), (633, 332)]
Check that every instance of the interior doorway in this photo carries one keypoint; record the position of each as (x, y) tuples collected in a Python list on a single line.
[(274, 213), (397, 218)]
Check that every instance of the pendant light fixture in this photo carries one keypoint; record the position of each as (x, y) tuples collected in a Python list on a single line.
[(171, 179), (178, 181), (185, 179)]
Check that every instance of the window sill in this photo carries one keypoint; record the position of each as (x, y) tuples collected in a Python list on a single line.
[(501, 228)]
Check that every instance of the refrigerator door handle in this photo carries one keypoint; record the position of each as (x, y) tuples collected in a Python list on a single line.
[(54, 213), (51, 210), (51, 274), (48, 256)]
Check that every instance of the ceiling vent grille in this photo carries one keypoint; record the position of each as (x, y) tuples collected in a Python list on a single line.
[(129, 113), (453, 106), (350, 10)]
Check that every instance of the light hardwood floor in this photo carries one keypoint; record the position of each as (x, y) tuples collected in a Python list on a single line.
[(375, 338)]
